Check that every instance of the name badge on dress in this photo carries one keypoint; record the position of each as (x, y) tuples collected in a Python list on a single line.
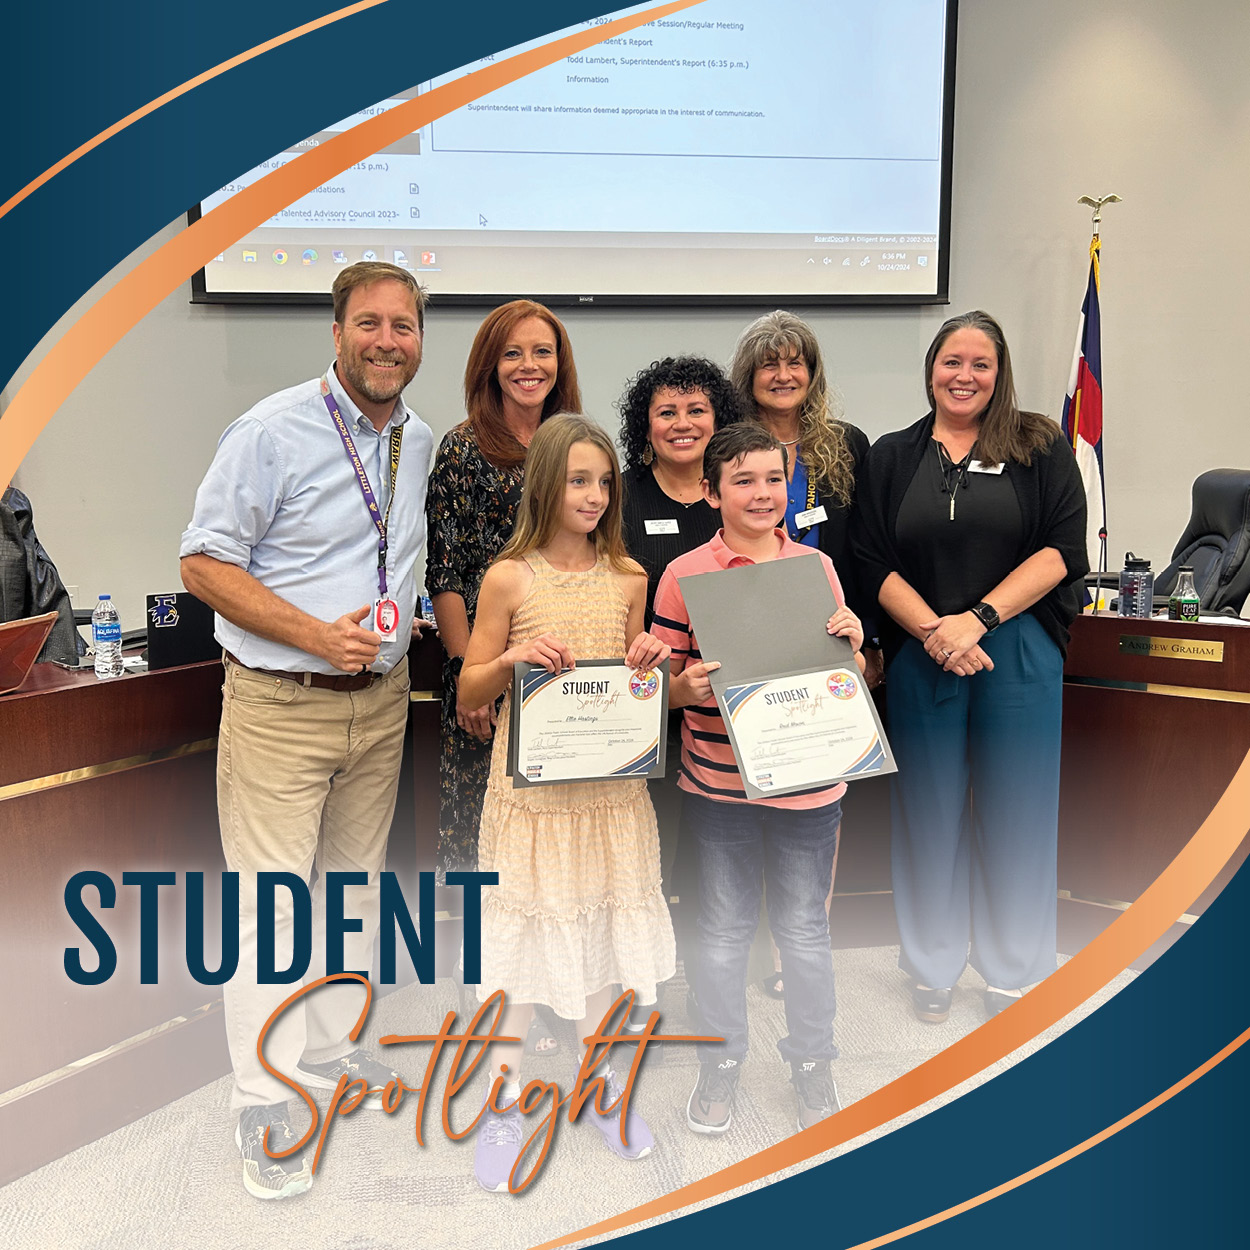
[(664, 526), (975, 466), (813, 516)]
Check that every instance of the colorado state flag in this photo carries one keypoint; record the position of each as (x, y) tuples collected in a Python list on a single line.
[(1082, 412)]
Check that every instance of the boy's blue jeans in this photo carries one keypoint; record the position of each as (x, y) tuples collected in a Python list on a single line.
[(739, 848)]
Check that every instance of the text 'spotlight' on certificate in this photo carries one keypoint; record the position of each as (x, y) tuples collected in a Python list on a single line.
[(803, 731), (601, 721)]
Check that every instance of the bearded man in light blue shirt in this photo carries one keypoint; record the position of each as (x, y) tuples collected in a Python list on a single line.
[(304, 541)]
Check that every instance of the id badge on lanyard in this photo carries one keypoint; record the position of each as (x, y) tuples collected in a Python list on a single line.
[(385, 619)]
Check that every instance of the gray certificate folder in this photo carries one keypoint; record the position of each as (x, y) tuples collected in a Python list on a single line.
[(767, 621)]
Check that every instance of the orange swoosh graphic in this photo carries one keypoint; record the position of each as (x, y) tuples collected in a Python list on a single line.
[(1042, 1168), (1182, 881), (117, 127), (136, 294)]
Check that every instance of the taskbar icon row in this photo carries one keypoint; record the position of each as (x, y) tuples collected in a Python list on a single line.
[(310, 256)]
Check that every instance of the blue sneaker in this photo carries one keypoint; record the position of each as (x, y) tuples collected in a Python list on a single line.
[(499, 1138), (638, 1139)]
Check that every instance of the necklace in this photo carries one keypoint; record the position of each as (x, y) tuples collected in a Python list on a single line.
[(954, 474), (787, 442), (685, 503)]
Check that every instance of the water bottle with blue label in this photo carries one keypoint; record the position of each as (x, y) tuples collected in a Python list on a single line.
[(106, 636)]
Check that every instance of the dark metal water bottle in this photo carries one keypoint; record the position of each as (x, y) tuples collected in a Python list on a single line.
[(1137, 587)]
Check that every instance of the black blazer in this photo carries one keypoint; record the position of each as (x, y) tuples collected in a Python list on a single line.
[(1052, 508), (834, 539)]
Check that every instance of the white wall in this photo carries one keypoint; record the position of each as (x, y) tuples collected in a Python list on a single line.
[(1147, 98)]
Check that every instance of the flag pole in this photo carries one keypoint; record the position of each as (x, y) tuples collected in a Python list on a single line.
[(1095, 247)]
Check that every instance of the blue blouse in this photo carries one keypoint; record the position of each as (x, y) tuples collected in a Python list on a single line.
[(797, 502)]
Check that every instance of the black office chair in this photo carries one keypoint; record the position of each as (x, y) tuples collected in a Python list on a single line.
[(1216, 542)]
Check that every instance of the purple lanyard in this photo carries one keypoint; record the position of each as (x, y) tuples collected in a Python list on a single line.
[(371, 502)]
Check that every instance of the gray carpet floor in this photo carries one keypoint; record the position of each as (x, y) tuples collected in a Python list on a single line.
[(172, 1178)]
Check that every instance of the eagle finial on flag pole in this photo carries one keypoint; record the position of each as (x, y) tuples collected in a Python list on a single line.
[(1096, 205), (1082, 406)]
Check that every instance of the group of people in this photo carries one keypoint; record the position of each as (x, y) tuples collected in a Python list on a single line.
[(951, 548)]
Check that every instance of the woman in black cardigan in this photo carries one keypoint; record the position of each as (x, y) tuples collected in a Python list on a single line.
[(971, 532)]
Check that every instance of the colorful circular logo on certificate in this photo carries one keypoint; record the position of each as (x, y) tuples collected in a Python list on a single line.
[(644, 684), (842, 685)]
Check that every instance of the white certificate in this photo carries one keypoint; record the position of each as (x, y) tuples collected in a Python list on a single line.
[(803, 731), (600, 721)]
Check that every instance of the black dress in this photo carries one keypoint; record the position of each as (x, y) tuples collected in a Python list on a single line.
[(658, 529), (470, 511)]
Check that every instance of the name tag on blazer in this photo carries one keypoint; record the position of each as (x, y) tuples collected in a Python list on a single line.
[(975, 466), (813, 516), (668, 526)]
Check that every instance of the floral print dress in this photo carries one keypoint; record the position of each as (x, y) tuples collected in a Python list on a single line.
[(470, 510)]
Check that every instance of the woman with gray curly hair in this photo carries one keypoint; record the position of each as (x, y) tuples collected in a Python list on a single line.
[(779, 377)]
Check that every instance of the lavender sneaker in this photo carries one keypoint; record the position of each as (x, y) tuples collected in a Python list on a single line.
[(499, 1138), (638, 1140)]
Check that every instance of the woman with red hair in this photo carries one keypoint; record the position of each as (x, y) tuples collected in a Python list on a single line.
[(520, 371)]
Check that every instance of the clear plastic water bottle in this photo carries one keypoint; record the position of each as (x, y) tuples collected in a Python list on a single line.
[(1137, 587), (106, 634), (1183, 603)]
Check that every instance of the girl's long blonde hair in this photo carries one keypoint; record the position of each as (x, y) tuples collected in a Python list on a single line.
[(823, 447), (542, 498)]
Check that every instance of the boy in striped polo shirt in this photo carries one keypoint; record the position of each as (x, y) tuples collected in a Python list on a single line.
[(788, 840)]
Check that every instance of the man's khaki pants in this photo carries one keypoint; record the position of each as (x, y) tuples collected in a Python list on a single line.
[(304, 776)]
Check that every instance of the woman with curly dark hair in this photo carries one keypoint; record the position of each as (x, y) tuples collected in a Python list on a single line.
[(668, 414)]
